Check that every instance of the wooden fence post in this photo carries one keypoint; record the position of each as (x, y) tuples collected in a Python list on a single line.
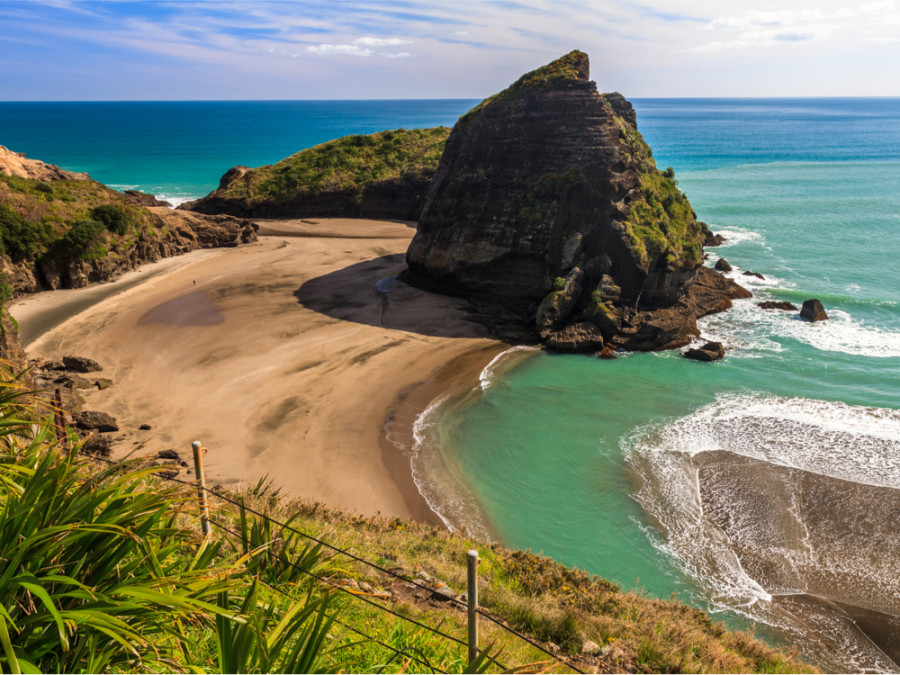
[(199, 451), (472, 602)]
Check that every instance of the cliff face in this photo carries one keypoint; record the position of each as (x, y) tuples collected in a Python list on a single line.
[(382, 175), (68, 233), (548, 212)]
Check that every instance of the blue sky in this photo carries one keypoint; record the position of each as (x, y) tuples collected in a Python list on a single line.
[(262, 49)]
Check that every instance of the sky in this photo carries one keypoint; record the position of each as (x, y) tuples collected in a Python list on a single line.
[(366, 49)]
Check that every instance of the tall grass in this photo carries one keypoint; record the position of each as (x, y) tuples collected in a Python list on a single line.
[(98, 573)]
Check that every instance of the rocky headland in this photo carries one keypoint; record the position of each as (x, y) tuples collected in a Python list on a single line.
[(382, 175), (548, 213), (60, 229)]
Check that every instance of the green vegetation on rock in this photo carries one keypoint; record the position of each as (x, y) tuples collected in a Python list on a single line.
[(567, 68), (660, 220), (346, 165)]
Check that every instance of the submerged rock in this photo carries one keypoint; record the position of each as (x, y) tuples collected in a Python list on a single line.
[(547, 210), (813, 310)]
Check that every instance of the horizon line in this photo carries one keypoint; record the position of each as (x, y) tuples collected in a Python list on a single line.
[(386, 100)]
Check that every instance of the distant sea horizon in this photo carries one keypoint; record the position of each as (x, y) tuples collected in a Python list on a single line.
[(598, 463)]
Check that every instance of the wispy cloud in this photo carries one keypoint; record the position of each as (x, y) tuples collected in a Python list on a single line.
[(761, 28)]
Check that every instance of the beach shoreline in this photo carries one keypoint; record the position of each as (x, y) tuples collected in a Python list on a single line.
[(281, 356)]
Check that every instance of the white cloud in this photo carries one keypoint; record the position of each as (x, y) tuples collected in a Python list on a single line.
[(399, 55), (381, 42), (350, 50)]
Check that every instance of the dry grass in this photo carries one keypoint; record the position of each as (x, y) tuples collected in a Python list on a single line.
[(561, 608)]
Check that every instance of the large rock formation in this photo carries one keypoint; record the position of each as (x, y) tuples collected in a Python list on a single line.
[(548, 212), (382, 175)]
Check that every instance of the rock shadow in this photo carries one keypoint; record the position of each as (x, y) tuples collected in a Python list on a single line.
[(369, 293)]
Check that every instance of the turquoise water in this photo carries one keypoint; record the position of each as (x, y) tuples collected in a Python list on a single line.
[(178, 150), (589, 461)]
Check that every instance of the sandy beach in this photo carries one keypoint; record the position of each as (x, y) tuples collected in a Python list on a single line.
[(298, 357)]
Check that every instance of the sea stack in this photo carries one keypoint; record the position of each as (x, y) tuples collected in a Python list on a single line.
[(547, 211)]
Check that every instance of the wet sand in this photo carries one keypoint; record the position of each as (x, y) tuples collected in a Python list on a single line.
[(282, 357)]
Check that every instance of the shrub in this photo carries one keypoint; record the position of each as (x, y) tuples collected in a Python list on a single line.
[(82, 235), (112, 216), (21, 239)]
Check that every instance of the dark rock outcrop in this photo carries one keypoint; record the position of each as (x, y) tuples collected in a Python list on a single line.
[(80, 364), (143, 199), (722, 265), (547, 212), (711, 351), (95, 421), (775, 304), (748, 273), (711, 238), (813, 310)]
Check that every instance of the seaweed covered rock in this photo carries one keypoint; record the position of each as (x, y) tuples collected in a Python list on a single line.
[(547, 210)]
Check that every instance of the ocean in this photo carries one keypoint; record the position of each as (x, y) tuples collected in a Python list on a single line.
[(764, 487)]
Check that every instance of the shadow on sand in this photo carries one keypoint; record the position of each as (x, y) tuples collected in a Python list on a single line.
[(369, 293)]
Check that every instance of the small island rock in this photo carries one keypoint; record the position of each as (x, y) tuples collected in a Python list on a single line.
[(79, 364), (711, 351), (812, 310)]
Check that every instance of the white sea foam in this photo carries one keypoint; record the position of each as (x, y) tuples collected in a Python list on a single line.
[(734, 236), (440, 483), (748, 328), (488, 373), (853, 443)]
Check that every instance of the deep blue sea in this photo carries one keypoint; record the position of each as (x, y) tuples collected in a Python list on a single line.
[(603, 464)]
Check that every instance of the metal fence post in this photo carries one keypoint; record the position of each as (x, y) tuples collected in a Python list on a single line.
[(201, 487), (472, 603)]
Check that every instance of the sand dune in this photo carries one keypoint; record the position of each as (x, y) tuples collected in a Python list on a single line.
[(282, 357)]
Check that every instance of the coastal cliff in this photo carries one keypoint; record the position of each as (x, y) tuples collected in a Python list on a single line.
[(548, 213), (381, 175), (64, 230)]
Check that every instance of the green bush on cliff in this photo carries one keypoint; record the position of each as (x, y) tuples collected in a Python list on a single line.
[(20, 239), (112, 216), (659, 221)]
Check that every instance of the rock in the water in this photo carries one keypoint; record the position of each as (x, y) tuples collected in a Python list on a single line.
[(722, 265), (97, 421), (813, 310), (775, 304), (79, 364), (748, 273), (711, 351), (607, 353), (548, 210), (103, 383)]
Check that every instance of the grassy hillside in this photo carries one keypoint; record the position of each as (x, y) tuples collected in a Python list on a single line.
[(356, 175), (104, 570)]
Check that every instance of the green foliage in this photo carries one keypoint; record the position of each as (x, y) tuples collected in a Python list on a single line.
[(82, 236), (112, 216), (544, 78), (350, 164), (6, 291), (660, 221), (21, 239)]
